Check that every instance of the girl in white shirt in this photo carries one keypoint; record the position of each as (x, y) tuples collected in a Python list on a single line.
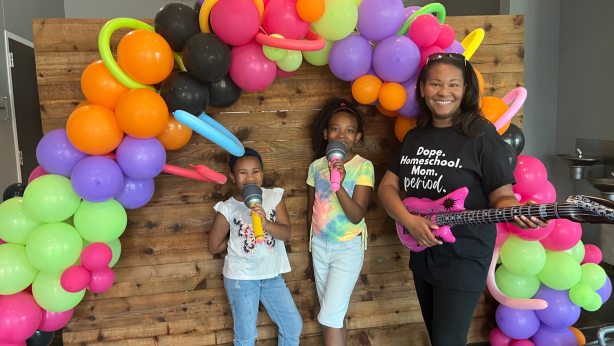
[(252, 272)]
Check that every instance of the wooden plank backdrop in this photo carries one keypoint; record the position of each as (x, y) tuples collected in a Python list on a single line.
[(169, 288)]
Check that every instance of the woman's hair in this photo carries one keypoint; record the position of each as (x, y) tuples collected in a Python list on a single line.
[(248, 153), (470, 112), (320, 123)]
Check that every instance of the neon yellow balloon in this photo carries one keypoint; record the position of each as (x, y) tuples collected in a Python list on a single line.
[(54, 247), (50, 198), (472, 42), (581, 295), (339, 20), (595, 304), (50, 295), (319, 57), (593, 276), (515, 286), (522, 257), (291, 62), (101, 222), (561, 271), (15, 224), (16, 272), (273, 53)]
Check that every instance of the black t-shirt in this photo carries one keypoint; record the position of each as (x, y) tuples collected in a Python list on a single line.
[(447, 161)]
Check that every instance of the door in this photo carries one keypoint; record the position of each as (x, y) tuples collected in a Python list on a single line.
[(25, 103)]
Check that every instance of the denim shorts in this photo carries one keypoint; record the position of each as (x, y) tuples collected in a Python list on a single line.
[(244, 297), (336, 268)]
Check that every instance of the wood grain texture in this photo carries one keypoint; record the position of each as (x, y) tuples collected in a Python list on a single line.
[(169, 288)]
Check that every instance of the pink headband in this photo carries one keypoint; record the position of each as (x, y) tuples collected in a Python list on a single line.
[(343, 107)]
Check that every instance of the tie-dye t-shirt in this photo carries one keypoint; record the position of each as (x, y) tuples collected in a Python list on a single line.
[(329, 220)]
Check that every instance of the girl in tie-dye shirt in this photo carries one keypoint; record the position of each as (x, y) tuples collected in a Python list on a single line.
[(336, 219)]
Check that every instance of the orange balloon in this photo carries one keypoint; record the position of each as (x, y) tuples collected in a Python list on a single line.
[(84, 103), (579, 335), (310, 10), (142, 113), (386, 112), (100, 87), (493, 108), (93, 130), (366, 89), (402, 126), (175, 135), (392, 96), (145, 56), (480, 81)]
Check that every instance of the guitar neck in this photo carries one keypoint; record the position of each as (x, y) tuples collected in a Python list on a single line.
[(497, 215)]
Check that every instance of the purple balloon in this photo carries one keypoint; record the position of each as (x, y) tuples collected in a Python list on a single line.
[(410, 109), (409, 11), (135, 193), (350, 58), (396, 59), (548, 336), (378, 19), (561, 312), (141, 159), (456, 47), (606, 290), (57, 155), (517, 324), (97, 179)]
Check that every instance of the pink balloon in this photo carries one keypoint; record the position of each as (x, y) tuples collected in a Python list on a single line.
[(265, 2), (250, 69), (524, 342), (20, 343), (547, 194), (424, 30), (283, 74), (502, 234), (426, 52), (281, 17), (37, 172), (96, 256), (235, 22), (102, 280), (75, 279), (592, 254), (564, 236), (446, 36), (498, 338), (2, 241), (53, 321), (531, 176), (19, 317)]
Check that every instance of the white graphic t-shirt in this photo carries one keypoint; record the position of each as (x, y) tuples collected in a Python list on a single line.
[(247, 260)]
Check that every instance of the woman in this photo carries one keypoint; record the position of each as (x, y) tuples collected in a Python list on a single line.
[(449, 278)]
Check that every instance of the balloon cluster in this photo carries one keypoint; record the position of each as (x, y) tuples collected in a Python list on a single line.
[(547, 275)]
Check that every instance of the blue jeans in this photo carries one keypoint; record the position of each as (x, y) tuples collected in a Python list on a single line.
[(244, 296)]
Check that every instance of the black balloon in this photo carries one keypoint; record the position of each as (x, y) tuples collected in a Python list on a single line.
[(14, 190), (206, 57), (40, 338), (176, 22), (514, 137), (182, 91), (512, 156), (223, 93)]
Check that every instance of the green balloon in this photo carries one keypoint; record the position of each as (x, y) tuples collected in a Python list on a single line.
[(577, 252), (593, 276), (581, 295), (51, 198), (54, 247), (15, 224), (521, 257), (50, 295), (595, 304), (561, 271), (101, 222), (318, 57), (273, 53), (514, 286), (291, 62), (338, 21), (16, 272), (499, 260), (116, 248)]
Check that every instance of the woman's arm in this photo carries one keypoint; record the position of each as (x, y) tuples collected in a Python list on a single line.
[(217, 235), (354, 207), (280, 229), (419, 227), (504, 197)]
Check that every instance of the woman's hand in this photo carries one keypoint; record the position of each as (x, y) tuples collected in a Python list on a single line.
[(338, 165), (525, 223), (420, 228), (309, 273), (258, 210)]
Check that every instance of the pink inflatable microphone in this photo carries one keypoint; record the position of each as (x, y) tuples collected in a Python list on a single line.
[(335, 150)]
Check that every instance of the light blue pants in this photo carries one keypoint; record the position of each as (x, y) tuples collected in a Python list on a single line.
[(336, 268), (244, 296)]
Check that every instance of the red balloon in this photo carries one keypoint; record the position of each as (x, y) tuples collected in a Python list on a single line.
[(281, 17), (250, 69), (235, 22)]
